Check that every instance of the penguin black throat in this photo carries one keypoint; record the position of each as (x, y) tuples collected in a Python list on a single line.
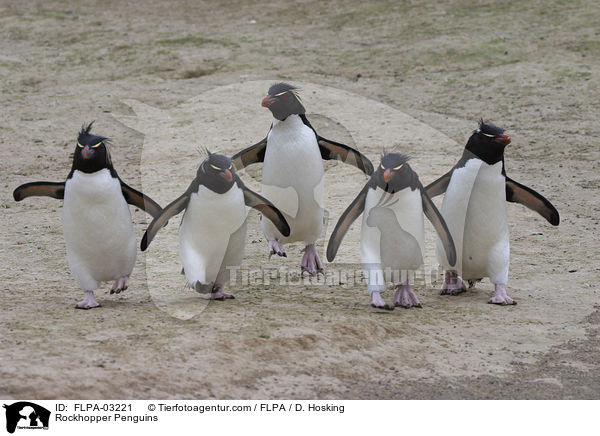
[(486, 143)]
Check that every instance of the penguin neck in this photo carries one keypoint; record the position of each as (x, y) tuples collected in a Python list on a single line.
[(92, 170), (489, 154), (290, 121)]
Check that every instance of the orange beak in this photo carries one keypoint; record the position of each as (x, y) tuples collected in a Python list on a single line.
[(387, 175), (227, 175), (504, 140), (267, 101)]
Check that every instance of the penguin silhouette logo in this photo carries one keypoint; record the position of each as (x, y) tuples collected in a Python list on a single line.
[(26, 415), (398, 249)]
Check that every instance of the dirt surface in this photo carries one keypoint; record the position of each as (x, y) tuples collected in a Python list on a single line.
[(163, 79)]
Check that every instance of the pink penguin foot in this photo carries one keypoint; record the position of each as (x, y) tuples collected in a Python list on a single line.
[(378, 302), (120, 285), (453, 284), (88, 302), (500, 296), (219, 294), (276, 248), (310, 261), (406, 297)]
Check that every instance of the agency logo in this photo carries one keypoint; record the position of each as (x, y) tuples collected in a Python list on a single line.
[(26, 415)]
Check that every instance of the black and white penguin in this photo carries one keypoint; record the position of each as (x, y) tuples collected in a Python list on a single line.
[(292, 176), (212, 233), (392, 237), (474, 208), (96, 219)]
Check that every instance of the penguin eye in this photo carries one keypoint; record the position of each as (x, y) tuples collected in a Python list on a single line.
[(398, 167), (79, 145), (487, 136), (97, 145), (215, 167)]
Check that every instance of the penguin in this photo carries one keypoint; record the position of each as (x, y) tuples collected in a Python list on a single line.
[(474, 207), (392, 234), (212, 233), (292, 177), (96, 220)]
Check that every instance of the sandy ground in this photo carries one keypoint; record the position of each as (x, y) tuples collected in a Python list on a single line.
[(163, 79)]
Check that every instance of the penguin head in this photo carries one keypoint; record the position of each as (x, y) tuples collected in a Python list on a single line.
[(216, 173), (91, 153), (283, 100), (394, 173), (488, 142)]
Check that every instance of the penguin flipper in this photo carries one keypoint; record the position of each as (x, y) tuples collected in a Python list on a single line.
[(439, 186), (517, 193), (140, 200), (40, 189), (160, 221), (336, 150), (253, 154), (264, 206), (435, 217), (348, 217)]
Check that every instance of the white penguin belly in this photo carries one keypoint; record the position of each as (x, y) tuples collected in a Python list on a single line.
[(98, 230), (392, 233), (475, 211), (207, 225), (293, 180)]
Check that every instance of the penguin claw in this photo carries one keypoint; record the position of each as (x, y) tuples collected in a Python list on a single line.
[(453, 292), (276, 248), (502, 303), (453, 284), (379, 303), (220, 296), (88, 302), (405, 297), (384, 307), (500, 297), (278, 254), (310, 261), (408, 306), (121, 284)]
